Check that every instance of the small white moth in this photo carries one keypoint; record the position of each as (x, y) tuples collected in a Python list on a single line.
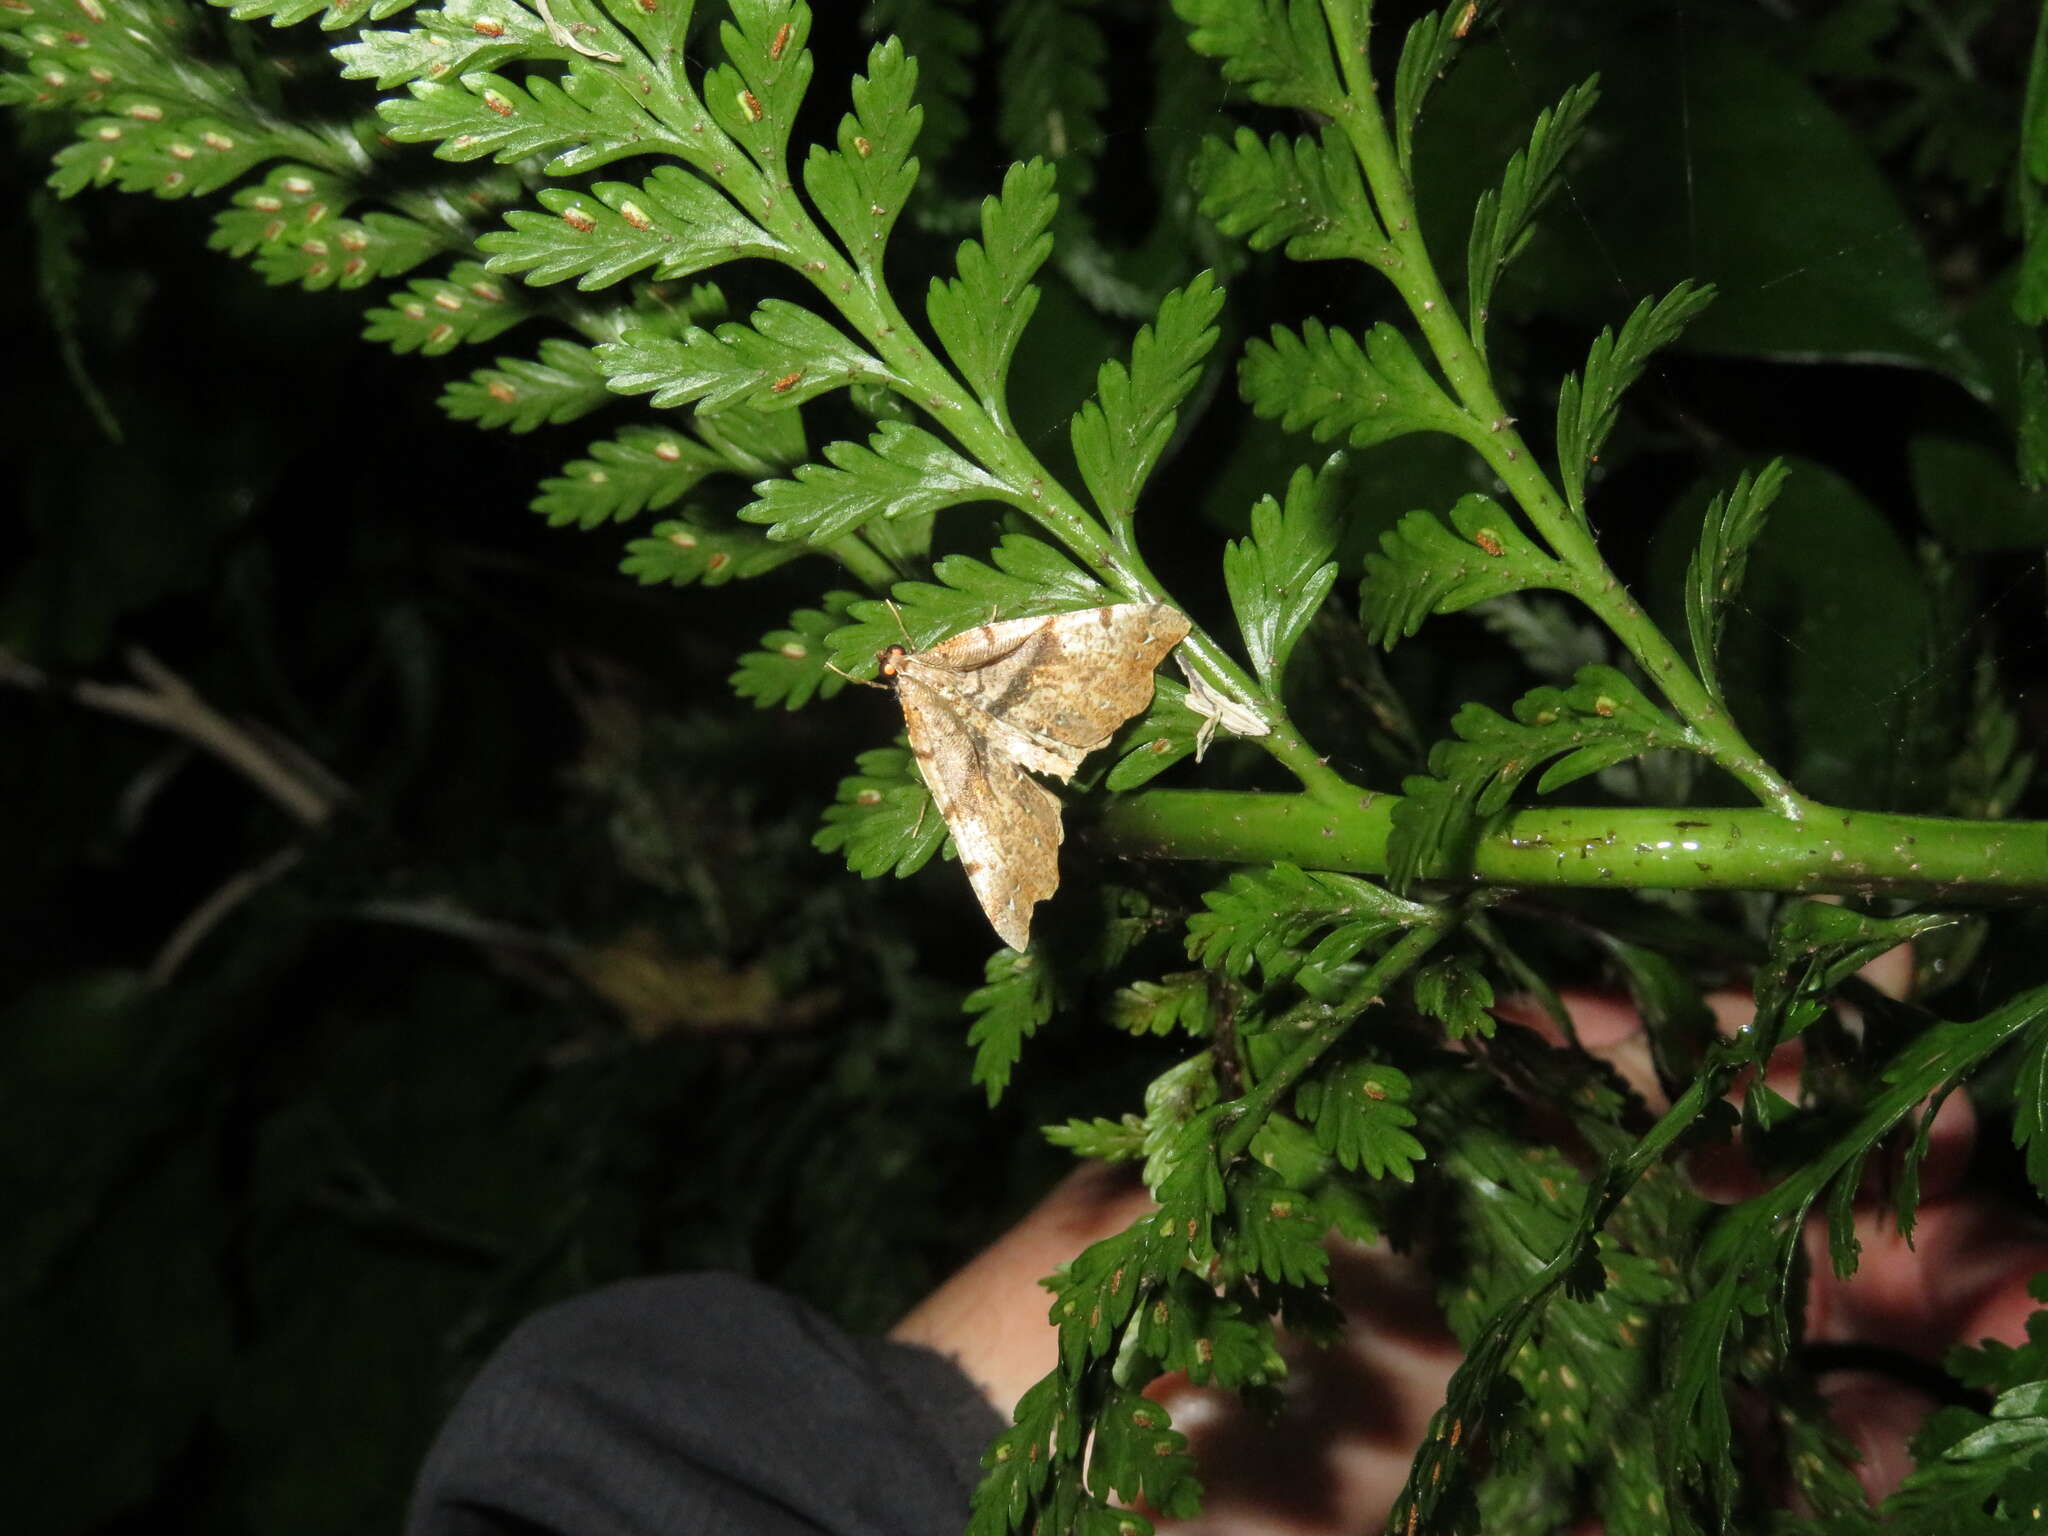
[(1219, 709)]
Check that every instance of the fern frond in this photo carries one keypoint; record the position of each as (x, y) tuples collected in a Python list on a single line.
[(1424, 567), (1278, 50), (1323, 381), (1303, 195), (695, 551), (1587, 403), (563, 382), (1601, 719), (1120, 434), (433, 315), (1265, 918), (1279, 577), (1502, 220)]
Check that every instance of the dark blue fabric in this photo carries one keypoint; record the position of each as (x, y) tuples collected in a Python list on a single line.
[(703, 1405)]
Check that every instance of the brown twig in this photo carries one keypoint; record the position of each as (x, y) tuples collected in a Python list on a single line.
[(169, 703), (303, 788), (205, 917)]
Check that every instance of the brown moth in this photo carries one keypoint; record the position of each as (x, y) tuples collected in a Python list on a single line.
[(1037, 694)]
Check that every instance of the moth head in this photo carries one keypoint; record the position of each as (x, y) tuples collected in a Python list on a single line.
[(891, 657)]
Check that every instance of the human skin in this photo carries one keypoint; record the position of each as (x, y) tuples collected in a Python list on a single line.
[(1335, 1459)]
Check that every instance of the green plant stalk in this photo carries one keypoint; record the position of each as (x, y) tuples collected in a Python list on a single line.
[(1490, 431), (1055, 509), (862, 298), (1325, 1024), (1833, 851), (861, 561)]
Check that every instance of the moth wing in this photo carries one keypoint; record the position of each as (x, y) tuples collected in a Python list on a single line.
[(1099, 673), (1005, 824), (1061, 684), (985, 645)]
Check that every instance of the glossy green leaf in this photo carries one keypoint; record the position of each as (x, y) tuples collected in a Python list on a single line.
[(756, 93), (1119, 435), (1013, 1001), (1211, 1338), (561, 384), (1022, 576), (2030, 1107), (1427, 53), (1165, 734), (883, 821), (1601, 719), (944, 36), (1455, 993), (590, 119), (1180, 1001), (1107, 1141), (1137, 1455), (783, 356), (674, 223), (1278, 50), (903, 471), (1265, 918), (332, 13), (980, 315), (1279, 1230), (860, 188), (443, 42), (187, 156), (1425, 567), (1822, 673), (1361, 1116), (791, 667), (1714, 575), (697, 551), (433, 315), (1323, 381), (1501, 220), (1587, 403), (1021, 1459), (1278, 578), (1303, 195), (642, 469)]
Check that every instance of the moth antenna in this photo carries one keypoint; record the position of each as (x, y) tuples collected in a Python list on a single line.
[(897, 614), (920, 816), (865, 682)]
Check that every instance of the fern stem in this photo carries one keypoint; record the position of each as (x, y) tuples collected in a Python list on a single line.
[(1682, 687), (983, 431), (1326, 1024), (979, 425), (1838, 851), (862, 562), (1284, 742), (1491, 433)]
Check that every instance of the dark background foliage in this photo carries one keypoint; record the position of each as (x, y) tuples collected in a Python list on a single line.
[(562, 993)]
